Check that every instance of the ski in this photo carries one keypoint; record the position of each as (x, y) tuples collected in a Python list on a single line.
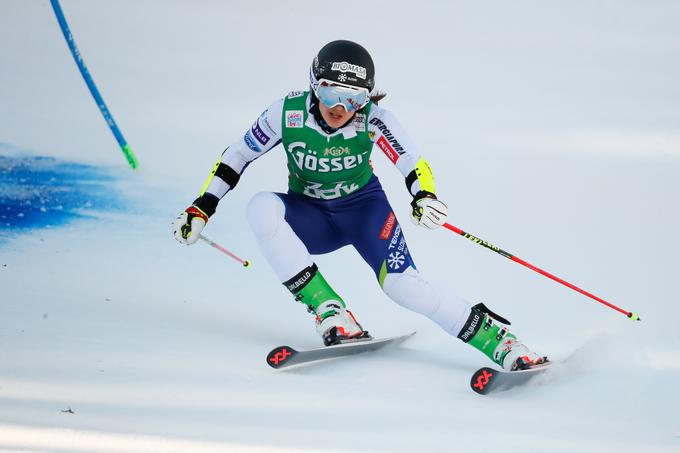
[(489, 380), (285, 356)]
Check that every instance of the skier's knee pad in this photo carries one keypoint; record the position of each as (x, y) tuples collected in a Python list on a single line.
[(411, 291), (265, 212)]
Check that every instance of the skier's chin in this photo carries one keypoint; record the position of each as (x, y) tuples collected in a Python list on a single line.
[(337, 122)]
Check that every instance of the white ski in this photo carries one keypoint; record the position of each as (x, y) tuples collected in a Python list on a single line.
[(284, 356)]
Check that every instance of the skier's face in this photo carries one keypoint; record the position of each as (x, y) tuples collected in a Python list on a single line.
[(336, 116)]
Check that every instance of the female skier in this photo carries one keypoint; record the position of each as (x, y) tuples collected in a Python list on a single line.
[(334, 199)]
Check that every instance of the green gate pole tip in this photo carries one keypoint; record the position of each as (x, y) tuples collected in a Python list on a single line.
[(130, 156)]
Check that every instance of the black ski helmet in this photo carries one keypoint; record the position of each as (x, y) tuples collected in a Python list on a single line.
[(345, 62)]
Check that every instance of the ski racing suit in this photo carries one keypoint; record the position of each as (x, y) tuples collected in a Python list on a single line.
[(334, 199)]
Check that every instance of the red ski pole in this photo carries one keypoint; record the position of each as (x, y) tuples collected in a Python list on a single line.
[(217, 246), (632, 315)]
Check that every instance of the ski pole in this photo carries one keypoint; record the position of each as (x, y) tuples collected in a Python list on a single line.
[(632, 315), (245, 263)]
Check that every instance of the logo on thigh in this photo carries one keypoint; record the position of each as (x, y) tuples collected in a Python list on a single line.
[(397, 257), (388, 227), (395, 260)]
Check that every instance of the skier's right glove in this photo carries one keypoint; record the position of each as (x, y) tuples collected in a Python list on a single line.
[(188, 225)]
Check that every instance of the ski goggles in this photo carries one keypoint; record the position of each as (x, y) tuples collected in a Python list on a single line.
[(333, 93)]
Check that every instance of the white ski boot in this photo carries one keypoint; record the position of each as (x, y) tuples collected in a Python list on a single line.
[(516, 355), (338, 325)]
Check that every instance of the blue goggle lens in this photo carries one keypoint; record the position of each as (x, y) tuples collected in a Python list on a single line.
[(351, 98)]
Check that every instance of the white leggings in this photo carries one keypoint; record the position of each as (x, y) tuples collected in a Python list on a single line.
[(288, 255)]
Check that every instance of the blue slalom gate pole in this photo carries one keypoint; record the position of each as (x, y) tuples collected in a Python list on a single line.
[(129, 155)]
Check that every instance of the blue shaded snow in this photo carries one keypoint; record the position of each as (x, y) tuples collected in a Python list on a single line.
[(44, 192)]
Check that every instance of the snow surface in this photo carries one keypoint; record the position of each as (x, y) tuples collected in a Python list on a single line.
[(554, 132)]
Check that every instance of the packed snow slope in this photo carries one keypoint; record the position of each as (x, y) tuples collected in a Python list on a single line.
[(553, 132)]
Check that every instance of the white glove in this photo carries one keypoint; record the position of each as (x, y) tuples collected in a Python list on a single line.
[(428, 211), (188, 225)]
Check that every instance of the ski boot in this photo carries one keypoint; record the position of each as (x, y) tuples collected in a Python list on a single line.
[(336, 324), (487, 331)]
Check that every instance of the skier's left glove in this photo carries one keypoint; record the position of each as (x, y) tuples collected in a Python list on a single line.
[(428, 211), (188, 225)]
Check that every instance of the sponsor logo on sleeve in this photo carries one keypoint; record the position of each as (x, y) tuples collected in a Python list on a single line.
[(387, 228), (259, 134), (294, 118), (250, 141), (387, 143), (386, 148)]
